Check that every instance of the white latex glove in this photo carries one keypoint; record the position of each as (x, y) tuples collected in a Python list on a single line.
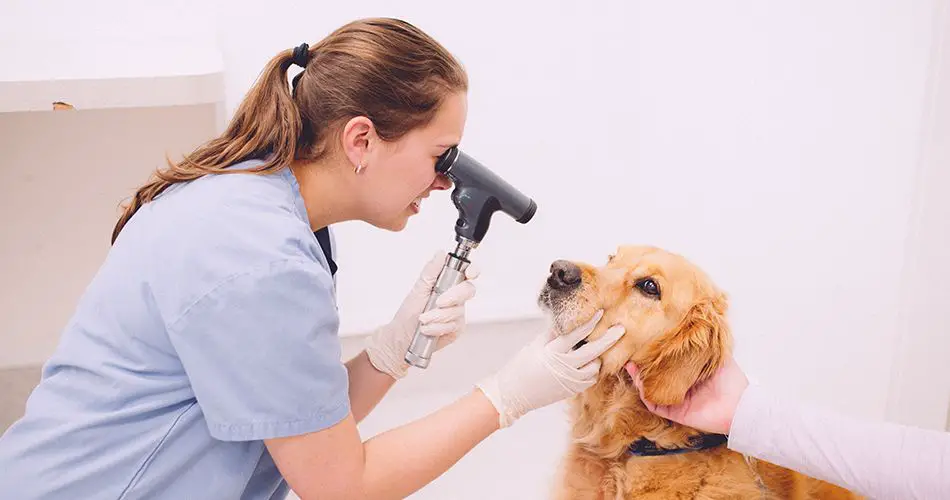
[(547, 371), (388, 344)]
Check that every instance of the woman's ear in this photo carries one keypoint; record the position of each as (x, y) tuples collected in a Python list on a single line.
[(357, 136), (688, 355)]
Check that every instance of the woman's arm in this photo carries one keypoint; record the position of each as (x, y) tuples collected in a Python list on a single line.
[(367, 385), (874, 459), (334, 464)]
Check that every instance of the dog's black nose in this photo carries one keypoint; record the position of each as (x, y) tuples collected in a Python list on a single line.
[(564, 275)]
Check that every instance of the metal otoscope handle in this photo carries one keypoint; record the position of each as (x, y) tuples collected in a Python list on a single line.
[(453, 272)]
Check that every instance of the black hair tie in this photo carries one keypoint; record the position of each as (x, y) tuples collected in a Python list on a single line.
[(301, 55)]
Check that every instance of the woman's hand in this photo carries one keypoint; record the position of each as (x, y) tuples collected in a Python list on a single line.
[(387, 346), (709, 406), (547, 371)]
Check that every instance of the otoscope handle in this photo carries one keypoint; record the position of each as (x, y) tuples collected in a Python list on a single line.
[(422, 346)]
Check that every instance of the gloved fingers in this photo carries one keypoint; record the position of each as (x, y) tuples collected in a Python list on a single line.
[(441, 329), (590, 351), (565, 342), (447, 339), (456, 295), (442, 315), (430, 272), (577, 379), (472, 271), (590, 370)]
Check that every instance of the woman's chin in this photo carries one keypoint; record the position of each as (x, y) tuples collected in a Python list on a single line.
[(394, 224)]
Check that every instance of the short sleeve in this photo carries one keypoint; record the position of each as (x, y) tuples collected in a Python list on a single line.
[(262, 354)]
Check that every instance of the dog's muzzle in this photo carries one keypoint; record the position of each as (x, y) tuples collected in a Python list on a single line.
[(565, 276), (558, 293)]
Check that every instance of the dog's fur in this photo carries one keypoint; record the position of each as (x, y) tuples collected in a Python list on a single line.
[(677, 340)]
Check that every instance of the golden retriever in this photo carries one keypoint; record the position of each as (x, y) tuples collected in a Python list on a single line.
[(678, 335)]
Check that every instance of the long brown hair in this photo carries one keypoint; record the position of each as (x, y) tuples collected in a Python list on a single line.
[(385, 69)]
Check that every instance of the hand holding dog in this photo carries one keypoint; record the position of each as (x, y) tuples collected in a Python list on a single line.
[(548, 370), (709, 406)]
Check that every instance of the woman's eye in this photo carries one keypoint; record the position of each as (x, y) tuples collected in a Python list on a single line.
[(648, 287)]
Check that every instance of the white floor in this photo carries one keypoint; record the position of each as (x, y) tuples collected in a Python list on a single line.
[(516, 463)]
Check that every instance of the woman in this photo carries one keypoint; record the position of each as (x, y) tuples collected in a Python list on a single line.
[(203, 359), (873, 459)]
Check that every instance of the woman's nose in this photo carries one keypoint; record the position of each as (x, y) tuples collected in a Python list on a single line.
[(441, 182)]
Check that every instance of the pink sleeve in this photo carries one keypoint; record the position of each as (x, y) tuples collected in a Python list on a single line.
[(875, 459)]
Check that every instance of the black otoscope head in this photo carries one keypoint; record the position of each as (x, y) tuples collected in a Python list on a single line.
[(479, 193)]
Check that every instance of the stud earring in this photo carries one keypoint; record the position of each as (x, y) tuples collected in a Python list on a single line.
[(359, 168)]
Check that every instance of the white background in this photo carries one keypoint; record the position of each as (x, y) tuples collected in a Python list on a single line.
[(795, 150), (774, 143)]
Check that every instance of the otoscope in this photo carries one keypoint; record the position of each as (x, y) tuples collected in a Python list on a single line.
[(478, 194)]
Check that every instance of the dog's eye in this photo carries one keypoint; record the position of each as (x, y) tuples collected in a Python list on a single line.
[(649, 287)]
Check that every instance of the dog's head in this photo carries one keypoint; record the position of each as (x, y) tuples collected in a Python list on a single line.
[(674, 316)]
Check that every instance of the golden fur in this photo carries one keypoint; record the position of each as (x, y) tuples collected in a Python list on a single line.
[(677, 341)]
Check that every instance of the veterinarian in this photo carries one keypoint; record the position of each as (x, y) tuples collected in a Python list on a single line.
[(873, 459), (203, 361)]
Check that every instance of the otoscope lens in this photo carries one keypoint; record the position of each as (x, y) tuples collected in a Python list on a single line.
[(446, 160)]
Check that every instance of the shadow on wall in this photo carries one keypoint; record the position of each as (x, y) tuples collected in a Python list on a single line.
[(17, 384)]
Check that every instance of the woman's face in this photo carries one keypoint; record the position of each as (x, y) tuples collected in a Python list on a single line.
[(397, 176)]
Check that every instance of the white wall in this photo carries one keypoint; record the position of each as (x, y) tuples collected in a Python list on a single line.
[(775, 144), (31, 20)]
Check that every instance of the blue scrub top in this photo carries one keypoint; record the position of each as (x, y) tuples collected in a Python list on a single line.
[(211, 326)]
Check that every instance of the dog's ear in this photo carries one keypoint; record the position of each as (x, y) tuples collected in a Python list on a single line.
[(687, 355)]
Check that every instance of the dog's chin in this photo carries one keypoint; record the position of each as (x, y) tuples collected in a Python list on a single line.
[(566, 310), (544, 300), (555, 306)]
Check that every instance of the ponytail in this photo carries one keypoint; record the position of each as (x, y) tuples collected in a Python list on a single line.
[(266, 124)]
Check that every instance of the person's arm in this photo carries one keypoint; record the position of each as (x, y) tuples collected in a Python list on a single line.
[(367, 385), (875, 459), (333, 463), (263, 357)]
